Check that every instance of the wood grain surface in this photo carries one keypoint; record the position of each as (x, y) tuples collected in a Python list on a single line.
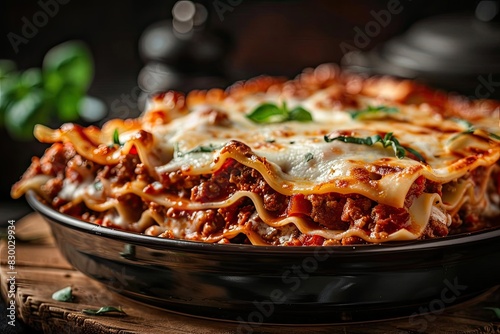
[(41, 270)]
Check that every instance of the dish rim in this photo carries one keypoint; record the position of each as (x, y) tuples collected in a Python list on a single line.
[(165, 243)]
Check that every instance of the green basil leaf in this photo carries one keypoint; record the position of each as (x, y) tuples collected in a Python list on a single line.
[(415, 153), (53, 82), (68, 104), (309, 156), (116, 138), (388, 140), (72, 61), (98, 186), (462, 122), (63, 295), (300, 114), (104, 310), (32, 78), (496, 310), (494, 135), (199, 149), (268, 113), (203, 149), (7, 68), (271, 113), (373, 112), (466, 132), (9, 93), (22, 115)]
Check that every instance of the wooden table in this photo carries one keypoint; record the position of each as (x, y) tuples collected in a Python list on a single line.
[(41, 270)]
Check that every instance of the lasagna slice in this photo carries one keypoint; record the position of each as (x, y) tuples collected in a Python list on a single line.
[(328, 158)]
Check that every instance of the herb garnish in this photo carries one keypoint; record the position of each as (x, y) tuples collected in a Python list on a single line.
[(494, 309), (466, 124), (104, 310), (271, 113), (63, 295), (98, 186), (116, 138), (471, 130), (309, 156), (198, 149), (373, 112), (386, 141)]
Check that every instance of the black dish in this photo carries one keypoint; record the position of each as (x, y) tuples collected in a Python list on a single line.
[(254, 284)]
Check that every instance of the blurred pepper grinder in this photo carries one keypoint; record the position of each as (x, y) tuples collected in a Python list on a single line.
[(183, 53)]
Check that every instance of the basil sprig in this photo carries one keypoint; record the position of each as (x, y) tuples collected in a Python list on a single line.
[(308, 156), (271, 113), (386, 141), (373, 112), (116, 138), (471, 130), (56, 92), (198, 149)]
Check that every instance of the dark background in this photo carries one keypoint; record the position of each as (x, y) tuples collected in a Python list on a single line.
[(272, 37)]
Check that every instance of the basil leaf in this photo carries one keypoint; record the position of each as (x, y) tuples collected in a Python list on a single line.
[(309, 156), (21, 116), (98, 186), (300, 114), (466, 132), (68, 104), (72, 62), (116, 138), (494, 309), (63, 295), (268, 113), (388, 140), (373, 112), (415, 153), (199, 149), (472, 131), (466, 124), (494, 135), (104, 310), (271, 113), (7, 67)]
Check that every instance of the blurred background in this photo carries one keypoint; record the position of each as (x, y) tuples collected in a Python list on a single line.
[(140, 47)]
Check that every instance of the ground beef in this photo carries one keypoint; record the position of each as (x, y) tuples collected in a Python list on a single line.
[(435, 229), (327, 210), (180, 184), (331, 210), (233, 177), (123, 171), (389, 219), (52, 187), (55, 158)]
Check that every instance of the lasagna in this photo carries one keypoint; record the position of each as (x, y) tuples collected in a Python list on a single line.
[(329, 158)]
